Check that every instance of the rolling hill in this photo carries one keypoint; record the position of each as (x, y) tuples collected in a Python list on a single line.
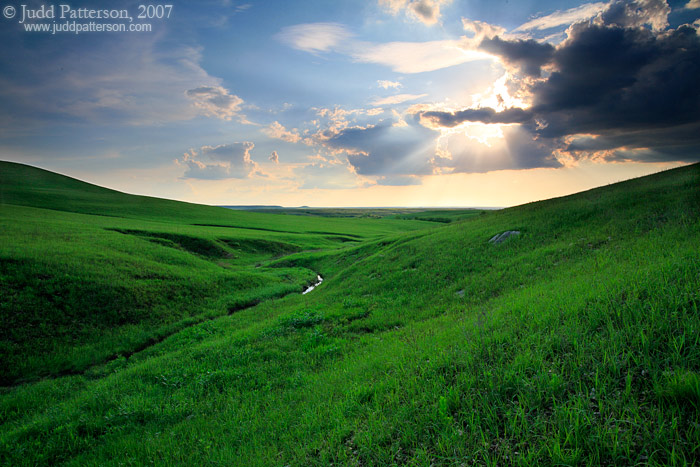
[(139, 331)]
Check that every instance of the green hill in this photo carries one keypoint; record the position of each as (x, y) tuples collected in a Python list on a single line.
[(573, 343), (90, 274), (23, 185)]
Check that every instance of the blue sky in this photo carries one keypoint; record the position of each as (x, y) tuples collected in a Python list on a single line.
[(351, 103)]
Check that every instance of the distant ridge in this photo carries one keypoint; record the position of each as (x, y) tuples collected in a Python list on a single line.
[(244, 207)]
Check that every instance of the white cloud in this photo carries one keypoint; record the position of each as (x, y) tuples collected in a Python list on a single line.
[(692, 5), (216, 101), (402, 57), (417, 57), (397, 99), (388, 84), (278, 131), (425, 11), (315, 37), (566, 17), (637, 13), (224, 161), (479, 30), (274, 157)]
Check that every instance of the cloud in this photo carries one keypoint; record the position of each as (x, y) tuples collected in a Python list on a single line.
[(399, 180), (692, 5), (278, 131), (315, 37), (618, 88), (132, 81), (477, 31), (635, 14), (515, 149), (201, 171), (652, 155), (612, 79), (392, 84), (223, 162), (401, 57), (397, 99), (663, 140), (319, 175), (484, 115), (274, 157), (561, 18), (527, 55), (216, 101), (425, 11), (416, 57), (385, 149)]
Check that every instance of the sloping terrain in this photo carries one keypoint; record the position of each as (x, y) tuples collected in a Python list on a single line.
[(573, 343), (23, 185), (90, 274)]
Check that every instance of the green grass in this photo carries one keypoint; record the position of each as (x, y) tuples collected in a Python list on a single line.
[(575, 343), (23, 185), (444, 215), (80, 288)]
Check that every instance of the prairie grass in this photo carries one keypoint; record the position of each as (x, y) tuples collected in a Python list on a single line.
[(575, 343)]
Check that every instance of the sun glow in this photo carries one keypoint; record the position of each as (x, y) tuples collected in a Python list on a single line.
[(490, 136), (486, 134), (498, 97)]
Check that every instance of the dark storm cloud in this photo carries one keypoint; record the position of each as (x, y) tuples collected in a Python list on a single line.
[(662, 138), (680, 154), (527, 55), (621, 77), (483, 115)]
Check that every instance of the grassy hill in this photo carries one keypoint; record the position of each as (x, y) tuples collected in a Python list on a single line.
[(90, 274), (574, 343)]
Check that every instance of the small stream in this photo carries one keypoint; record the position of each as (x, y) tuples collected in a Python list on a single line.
[(319, 279)]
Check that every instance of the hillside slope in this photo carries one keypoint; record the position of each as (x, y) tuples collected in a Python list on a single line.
[(89, 274), (574, 343), (23, 185)]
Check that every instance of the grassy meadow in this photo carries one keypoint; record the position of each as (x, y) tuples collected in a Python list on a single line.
[(140, 331)]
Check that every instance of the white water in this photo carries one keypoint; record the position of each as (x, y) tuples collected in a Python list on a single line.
[(319, 279)]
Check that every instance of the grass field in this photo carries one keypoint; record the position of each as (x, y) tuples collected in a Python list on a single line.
[(139, 331), (444, 215)]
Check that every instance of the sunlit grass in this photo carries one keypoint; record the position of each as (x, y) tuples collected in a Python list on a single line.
[(575, 343)]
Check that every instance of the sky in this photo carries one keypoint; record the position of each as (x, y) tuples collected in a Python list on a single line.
[(351, 103)]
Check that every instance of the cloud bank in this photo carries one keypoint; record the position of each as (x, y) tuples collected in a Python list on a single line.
[(620, 87)]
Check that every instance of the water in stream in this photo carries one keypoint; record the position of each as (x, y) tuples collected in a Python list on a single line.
[(319, 279)]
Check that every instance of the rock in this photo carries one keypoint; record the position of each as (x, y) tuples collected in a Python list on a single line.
[(500, 238), (460, 293)]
